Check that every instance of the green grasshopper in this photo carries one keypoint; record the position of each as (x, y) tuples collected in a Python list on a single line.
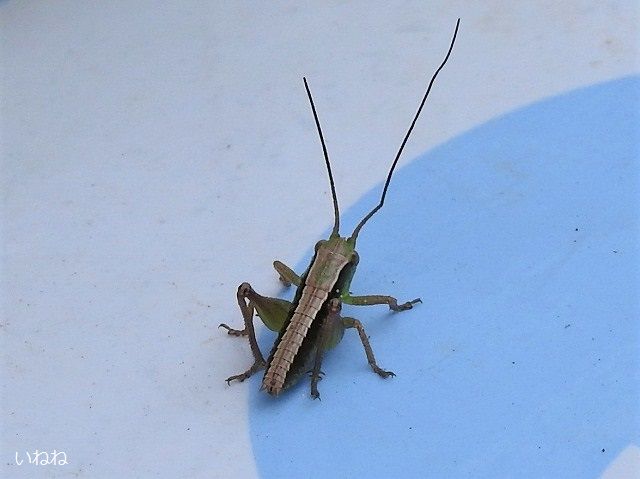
[(311, 323)]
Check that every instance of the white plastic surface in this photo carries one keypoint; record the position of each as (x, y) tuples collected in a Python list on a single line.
[(155, 155)]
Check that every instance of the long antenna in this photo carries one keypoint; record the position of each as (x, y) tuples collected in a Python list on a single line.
[(336, 211), (354, 235)]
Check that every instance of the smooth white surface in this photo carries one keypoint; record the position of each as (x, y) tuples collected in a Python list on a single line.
[(154, 156)]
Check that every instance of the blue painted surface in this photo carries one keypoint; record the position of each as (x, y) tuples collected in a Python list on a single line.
[(521, 237)]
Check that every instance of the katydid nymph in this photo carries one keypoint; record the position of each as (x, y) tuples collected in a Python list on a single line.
[(311, 323)]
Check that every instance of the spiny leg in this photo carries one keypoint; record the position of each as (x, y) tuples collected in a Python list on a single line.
[(354, 323), (325, 340), (287, 275), (245, 291), (379, 299)]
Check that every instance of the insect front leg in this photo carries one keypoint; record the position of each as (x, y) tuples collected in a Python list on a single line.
[(379, 299), (272, 311), (354, 323), (287, 275)]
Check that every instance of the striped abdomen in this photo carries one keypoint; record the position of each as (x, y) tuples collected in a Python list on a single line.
[(318, 284)]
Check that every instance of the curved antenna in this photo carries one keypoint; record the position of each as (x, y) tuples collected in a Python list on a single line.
[(336, 211), (354, 235)]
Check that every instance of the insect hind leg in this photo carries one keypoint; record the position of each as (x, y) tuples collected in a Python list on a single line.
[(245, 292), (330, 333)]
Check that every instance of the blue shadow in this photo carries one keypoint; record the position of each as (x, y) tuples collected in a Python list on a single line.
[(521, 236)]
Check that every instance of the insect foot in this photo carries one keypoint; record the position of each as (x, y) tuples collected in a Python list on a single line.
[(237, 377), (233, 332), (315, 394), (381, 372), (257, 366), (404, 306)]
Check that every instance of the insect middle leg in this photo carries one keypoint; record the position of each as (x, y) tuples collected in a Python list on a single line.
[(272, 311), (379, 299)]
